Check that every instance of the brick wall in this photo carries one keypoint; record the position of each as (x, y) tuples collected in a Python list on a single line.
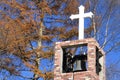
[(90, 74)]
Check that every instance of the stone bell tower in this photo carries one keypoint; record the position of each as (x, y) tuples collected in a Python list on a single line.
[(81, 59), (93, 67)]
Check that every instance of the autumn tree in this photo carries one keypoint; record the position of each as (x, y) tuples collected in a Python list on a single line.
[(19, 31), (29, 29)]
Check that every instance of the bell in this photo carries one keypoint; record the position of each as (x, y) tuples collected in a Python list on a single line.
[(77, 65)]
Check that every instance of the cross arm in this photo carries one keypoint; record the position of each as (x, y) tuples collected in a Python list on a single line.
[(89, 14), (74, 17)]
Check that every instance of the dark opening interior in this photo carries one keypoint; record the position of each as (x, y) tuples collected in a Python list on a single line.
[(98, 65), (74, 59)]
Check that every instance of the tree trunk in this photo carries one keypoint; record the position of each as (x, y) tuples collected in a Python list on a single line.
[(38, 56)]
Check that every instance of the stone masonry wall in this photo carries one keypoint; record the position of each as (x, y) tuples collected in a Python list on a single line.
[(90, 74)]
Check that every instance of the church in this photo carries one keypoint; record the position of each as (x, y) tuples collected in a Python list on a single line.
[(81, 59)]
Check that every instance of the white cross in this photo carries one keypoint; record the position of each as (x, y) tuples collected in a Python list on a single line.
[(81, 17)]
